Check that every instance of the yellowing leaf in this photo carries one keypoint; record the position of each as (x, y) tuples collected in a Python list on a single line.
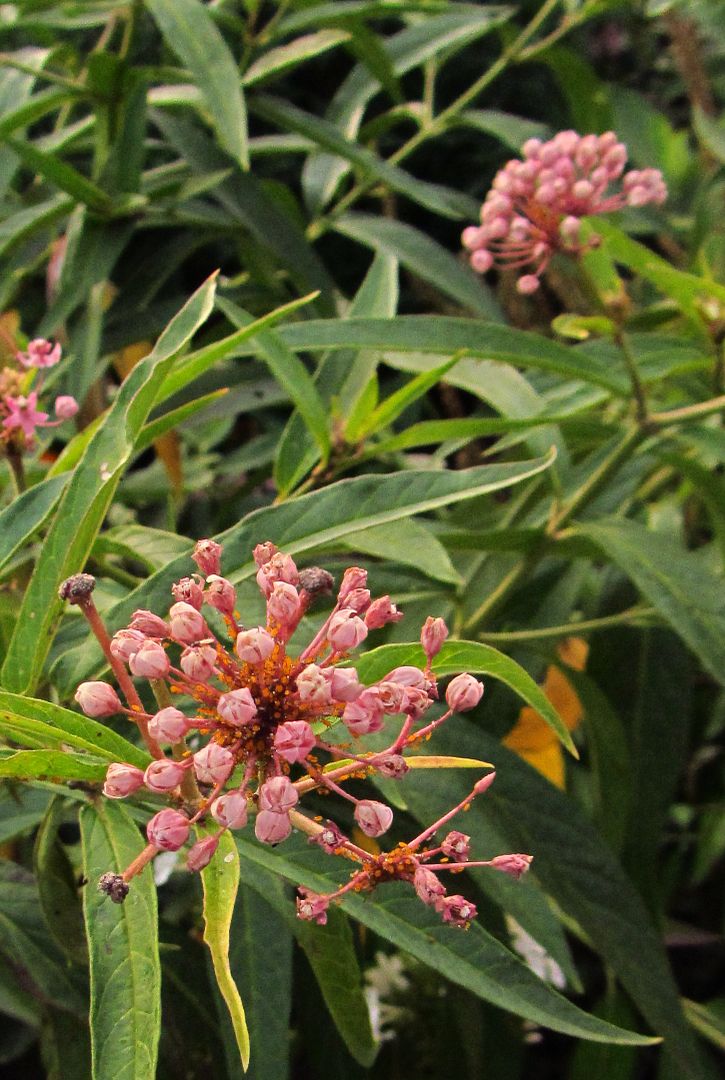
[(220, 880), (442, 761), (531, 737)]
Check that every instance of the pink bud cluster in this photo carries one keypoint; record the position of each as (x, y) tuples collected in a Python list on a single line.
[(19, 411), (256, 718), (536, 205)]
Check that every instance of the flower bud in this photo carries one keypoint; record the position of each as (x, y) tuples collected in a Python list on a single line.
[(283, 603), (353, 578), (220, 594), (187, 624), (201, 854), (126, 643), (393, 766), (391, 696), (415, 701), (463, 693), (98, 699), (374, 818), (457, 846), (149, 624), (364, 715), (346, 631), (272, 828), (484, 783), (169, 725), (40, 354), (198, 662), (207, 556), (230, 810), (428, 887), (278, 794), (150, 661), (164, 775), (294, 740), (237, 707), (344, 685), (264, 552), (407, 675), (513, 865), (313, 685), (213, 764), (66, 407), (457, 911), (254, 646), (122, 780), (188, 591), (381, 612), (279, 567), (358, 600), (312, 907), (168, 830), (432, 636), (330, 839)]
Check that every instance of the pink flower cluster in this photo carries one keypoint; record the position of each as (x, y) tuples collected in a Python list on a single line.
[(536, 204), (247, 721), (20, 414)]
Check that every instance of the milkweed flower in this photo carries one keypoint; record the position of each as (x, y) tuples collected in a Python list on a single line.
[(536, 204), (260, 716), (20, 416)]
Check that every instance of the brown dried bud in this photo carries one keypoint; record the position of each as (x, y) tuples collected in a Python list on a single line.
[(77, 588), (114, 886), (316, 581)]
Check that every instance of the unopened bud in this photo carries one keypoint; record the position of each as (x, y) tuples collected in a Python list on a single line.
[(513, 865), (201, 854), (169, 725), (278, 794), (254, 646), (220, 594), (168, 830), (237, 708), (463, 693), (150, 661), (122, 780), (381, 612), (187, 624), (271, 827), (294, 740), (374, 818), (188, 591), (163, 775), (207, 556), (150, 624), (432, 636), (230, 810), (346, 630), (98, 699), (213, 764)]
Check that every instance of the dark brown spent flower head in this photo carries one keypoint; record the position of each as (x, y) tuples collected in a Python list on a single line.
[(316, 581), (77, 588), (114, 886)]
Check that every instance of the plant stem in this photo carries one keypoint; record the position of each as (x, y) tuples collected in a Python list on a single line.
[(624, 618), (510, 55), (688, 412), (17, 470), (638, 388)]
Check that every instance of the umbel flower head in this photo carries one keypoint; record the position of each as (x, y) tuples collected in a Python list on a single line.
[(536, 204), (19, 413), (257, 719)]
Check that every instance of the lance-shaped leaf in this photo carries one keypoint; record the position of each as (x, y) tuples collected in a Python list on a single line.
[(475, 960), (41, 724), (319, 518), (123, 948), (221, 881), (191, 32), (26, 514), (476, 658), (51, 765), (89, 493)]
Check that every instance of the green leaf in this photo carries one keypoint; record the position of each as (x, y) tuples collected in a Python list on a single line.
[(280, 59), (394, 405), (123, 948), (37, 963), (710, 132), (51, 765), (190, 367), (260, 957), (57, 885), (42, 724), (476, 658), (441, 200), (673, 580), (62, 175), (191, 32), (475, 960), (423, 257), (221, 881), (290, 373), (23, 223), (708, 1018), (26, 514), (414, 546), (512, 131), (443, 335), (428, 432), (174, 417), (22, 807), (89, 493), (322, 517), (523, 811)]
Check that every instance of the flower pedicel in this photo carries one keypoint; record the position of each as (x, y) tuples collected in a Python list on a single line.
[(263, 713)]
